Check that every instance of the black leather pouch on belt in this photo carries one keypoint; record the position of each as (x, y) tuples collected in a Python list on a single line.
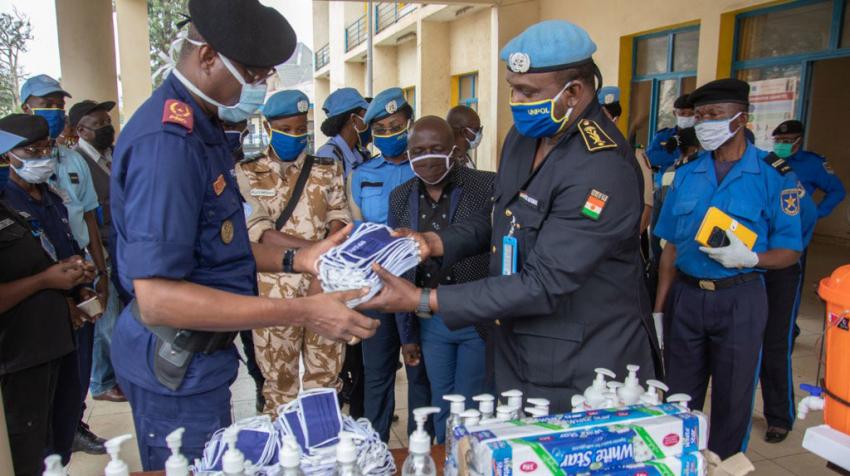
[(175, 348)]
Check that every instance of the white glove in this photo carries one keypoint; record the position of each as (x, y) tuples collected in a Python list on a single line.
[(658, 319), (736, 255)]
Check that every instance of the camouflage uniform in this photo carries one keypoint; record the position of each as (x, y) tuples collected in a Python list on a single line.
[(267, 183)]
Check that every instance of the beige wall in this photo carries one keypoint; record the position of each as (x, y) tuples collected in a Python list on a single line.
[(407, 65), (434, 86), (385, 68), (470, 44), (87, 50), (321, 91), (134, 56)]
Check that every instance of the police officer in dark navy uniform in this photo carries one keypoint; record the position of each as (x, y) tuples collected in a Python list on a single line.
[(716, 304), (565, 268), (784, 286), (181, 238)]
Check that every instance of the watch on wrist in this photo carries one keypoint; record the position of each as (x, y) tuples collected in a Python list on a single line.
[(289, 261), (423, 310)]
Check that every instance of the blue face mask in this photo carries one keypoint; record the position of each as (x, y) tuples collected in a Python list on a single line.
[(392, 145), (55, 119), (234, 140), (537, 119), (364, 137), (288, 147)]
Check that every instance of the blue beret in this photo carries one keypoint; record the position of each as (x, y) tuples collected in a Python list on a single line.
[(550, 45), (387, 102), (41, 85), (344, 100), (9, 141), (608, 95), (291, 102)]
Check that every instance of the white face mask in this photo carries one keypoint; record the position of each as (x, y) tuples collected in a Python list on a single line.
[(445, 157), (685, 122), (476, 141), (251, 97), (35, 170), (713, 134)]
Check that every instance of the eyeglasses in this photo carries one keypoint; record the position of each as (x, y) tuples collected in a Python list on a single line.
[(33, 151), (387, 131), (785, 140)]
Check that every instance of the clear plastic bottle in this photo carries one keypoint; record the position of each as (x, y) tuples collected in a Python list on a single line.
[(514, 400), (176, 464), (486, 405), (419, 462), (456, 407), (346, 456)]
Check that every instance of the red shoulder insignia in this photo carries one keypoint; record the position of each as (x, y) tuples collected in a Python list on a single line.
[(179, 113)]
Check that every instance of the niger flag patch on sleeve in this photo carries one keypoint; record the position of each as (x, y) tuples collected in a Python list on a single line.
[(594, 205)]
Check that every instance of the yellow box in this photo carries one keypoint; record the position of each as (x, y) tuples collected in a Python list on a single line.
[(717, 218)]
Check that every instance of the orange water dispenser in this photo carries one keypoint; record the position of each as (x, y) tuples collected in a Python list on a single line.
[(835, 290)]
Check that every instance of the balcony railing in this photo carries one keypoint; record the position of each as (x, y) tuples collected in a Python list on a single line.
[(388, 13), (322, 57), (355, 33)]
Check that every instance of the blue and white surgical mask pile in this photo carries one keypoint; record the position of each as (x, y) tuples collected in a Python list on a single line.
[(314, 421), (349, 265)]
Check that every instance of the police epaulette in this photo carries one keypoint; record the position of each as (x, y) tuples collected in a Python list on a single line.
[(323, 160), (777, 163), (594, 137), (685, 160)]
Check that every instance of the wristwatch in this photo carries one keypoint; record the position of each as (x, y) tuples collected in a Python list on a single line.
[(423, 310), (289, 261)]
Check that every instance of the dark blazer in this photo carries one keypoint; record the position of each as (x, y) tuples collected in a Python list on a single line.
[(577, 300), (471, 195)]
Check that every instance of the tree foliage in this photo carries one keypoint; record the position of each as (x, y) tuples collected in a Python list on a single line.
[(15, 32), (163, 17)]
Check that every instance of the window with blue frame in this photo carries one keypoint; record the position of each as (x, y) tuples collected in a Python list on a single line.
[(665, 66), (467, 90), (410, 97), (775, 49)]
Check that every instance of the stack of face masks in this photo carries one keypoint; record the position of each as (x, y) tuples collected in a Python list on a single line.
[(349, 265), (314, 420)]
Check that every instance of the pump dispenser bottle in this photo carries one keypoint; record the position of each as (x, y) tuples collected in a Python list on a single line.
[(346, 456), (233, 461), (631, 390), (419, 462), (176, 464), (116, 467), (486, 405), (515, 402), (595, 394), (289, 457), (456, 407), (653, 392)]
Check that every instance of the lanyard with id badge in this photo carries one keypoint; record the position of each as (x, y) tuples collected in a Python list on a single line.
[(39, 233), (509, 250)]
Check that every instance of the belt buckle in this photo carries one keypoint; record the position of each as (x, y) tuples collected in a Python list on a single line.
[(707, 285)]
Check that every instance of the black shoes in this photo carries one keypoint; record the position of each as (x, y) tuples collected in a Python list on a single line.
[(88, 442), (776, 435)]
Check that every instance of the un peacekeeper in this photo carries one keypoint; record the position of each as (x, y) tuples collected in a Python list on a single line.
[(563, 233), (713, 297), (182, 243), (813, 170), (349, 134), (292, 199), (664, 148)]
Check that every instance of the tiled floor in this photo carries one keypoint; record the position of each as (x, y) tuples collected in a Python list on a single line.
[(788, 458)]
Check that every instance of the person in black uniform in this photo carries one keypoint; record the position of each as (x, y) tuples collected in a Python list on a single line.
[(562, 232), (32, 162), (32, 298)]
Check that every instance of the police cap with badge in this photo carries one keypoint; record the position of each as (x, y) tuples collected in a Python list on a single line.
[(385, 104), (789, 127), (551, 45), (344, 100)]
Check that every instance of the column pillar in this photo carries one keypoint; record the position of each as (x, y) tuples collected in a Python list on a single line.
[(133, 54)]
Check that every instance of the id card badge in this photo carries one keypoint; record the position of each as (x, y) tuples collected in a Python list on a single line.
[(47, 245), (509, 245)]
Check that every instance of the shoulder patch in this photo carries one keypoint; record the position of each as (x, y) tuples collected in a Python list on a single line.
[(790, 201), (178, 112), (777, 163), (323, 161), (594, 137), (685, 160)]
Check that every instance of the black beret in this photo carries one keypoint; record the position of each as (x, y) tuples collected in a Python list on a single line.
[(721, 91), (33, 128), (789, 127), (683, 102), (83, 108), (244, 31)]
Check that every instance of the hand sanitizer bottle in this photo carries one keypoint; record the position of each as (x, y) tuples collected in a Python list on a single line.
[(486, 405), (456, 407), (514, 401), (419, 462), (653, 392), (594, 396), (176, 464), (346, 456), (289, 457), (116, 467), (631, 390), (233, 461)]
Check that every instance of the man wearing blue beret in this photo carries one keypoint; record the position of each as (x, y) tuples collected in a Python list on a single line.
[(562, 233)]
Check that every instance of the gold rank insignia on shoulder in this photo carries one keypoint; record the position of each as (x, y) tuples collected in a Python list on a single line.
[(778, 163), (594, 137)]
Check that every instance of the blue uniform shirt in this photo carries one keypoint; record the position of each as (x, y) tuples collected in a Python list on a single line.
[(372, 183), (47, 215), (351, 159), (177, 214), (73, 177), (753, 193), (658, 156), (814, 173)]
